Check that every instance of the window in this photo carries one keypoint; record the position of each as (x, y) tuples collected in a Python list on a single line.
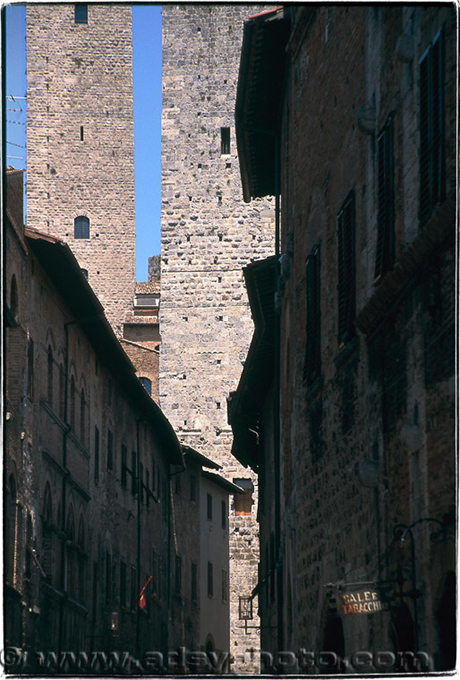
[(81, 14), (432, 173), (96, 454), (50, 376), (82, 134), (243, 502), (245, 608), (210, 580), (224, 141), (178, 575), (109, 450), (346, 270), (85, 273), (385, 219), (30, 369), (194, 593), (224, 586), (209, 506), (123, 466), (313, 314), (224, 515), (146, 384), (81, 227)]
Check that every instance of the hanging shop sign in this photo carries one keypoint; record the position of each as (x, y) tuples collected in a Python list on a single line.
[(362, 602)]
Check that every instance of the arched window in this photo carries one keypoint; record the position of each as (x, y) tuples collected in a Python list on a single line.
[(81, 227), (50, 376), (146, 384)]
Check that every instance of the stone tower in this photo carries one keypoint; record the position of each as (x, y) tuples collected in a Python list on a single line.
[(80, 140), (208, 235)]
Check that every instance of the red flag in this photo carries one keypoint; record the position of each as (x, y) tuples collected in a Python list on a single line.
[(141, 599)]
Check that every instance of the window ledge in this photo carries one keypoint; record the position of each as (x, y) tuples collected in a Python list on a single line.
[(350, 348), (411, 263), (50, 410)]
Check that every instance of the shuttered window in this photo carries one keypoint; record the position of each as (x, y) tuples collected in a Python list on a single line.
[(385, 253), (81, 227), (346, 270), (432, 180), (313, 313)]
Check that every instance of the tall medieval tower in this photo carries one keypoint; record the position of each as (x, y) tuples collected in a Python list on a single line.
[(80, 141), (208, 236)]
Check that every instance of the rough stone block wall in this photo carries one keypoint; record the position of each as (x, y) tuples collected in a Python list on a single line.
[(208, 236), (80, 141)]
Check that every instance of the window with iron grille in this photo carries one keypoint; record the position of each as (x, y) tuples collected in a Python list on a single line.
[(81, 227), (385, 253), (313, 329), (432, 175), (346, 270), (146, 384)]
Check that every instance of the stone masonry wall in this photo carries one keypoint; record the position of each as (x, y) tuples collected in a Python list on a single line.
[(208, 236), (80, 140)]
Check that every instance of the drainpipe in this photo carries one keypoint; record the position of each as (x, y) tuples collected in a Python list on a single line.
[(276, 406)]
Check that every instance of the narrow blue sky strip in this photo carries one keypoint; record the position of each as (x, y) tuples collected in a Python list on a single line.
[(147, 58)]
